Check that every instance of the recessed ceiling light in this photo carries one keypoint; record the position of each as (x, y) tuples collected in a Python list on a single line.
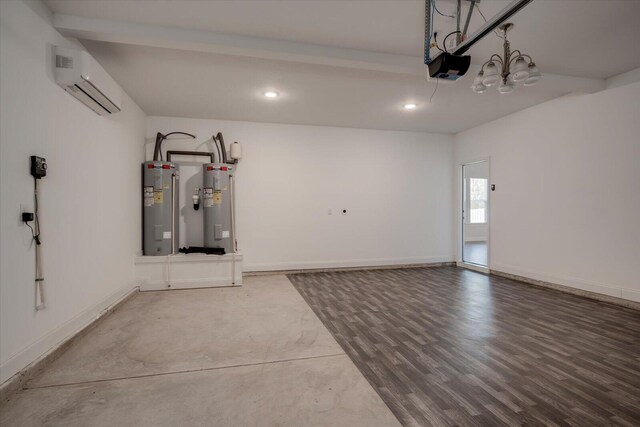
[(271, 94), (410, 106)]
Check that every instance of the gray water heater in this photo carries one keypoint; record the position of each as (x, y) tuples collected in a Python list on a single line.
[(217, 206), (160, 208)]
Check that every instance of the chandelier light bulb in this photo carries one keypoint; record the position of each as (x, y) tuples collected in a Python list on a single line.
[(491, 74), (506, 70), (506, 86), (477, 85), (520, 71), (479, 88), (534, 75), (478, 78)]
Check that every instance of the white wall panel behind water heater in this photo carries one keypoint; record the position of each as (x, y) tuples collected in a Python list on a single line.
[(395, 186)]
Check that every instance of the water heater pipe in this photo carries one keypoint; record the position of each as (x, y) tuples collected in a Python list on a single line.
[(173, 213), (222, 147), (215, 142), (191, 153), (233, 229), (159, 138)]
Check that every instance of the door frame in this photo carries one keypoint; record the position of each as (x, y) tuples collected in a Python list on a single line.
[(459, 218)]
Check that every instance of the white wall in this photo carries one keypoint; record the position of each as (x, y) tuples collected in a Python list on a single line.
[(396, 187), (89, 201), (567, 199)]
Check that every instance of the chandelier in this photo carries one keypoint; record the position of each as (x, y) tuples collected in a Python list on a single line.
[(515, 67)]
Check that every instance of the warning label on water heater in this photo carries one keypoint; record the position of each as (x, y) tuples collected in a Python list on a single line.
[(148, 196), (157, 196), (207, 197)]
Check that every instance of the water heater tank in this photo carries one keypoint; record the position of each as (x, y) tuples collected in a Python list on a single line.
[(160, 208), (217, 205)]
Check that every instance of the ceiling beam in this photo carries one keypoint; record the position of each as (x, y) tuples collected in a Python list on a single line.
[(255, 47), (106, 30)]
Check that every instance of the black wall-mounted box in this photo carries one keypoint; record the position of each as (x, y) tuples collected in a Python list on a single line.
[(38, 167)]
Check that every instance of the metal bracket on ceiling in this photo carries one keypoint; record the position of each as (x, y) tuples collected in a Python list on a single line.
[(514, 7), (466, 24)]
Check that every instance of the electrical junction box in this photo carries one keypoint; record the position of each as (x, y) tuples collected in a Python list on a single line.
[(449, 67), (38, 167)]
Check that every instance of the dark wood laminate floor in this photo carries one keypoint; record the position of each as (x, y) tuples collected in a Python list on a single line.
[(448, 346)]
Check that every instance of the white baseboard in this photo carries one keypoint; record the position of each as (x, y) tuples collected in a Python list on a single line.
[(311, 265), (630, 295), (57, 337), (161, 285), (571, 282)]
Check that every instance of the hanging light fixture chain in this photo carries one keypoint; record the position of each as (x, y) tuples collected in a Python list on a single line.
[(507, 55)]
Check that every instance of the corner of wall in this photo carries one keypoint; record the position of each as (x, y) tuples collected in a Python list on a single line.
[(630, 77)]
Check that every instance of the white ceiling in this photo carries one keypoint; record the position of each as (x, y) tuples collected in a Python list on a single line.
[(170, 82), (564, 36), (593, 39)]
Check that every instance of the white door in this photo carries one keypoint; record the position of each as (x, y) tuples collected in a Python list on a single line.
[(475, 213)]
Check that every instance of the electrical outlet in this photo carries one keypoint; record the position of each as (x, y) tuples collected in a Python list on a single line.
[(25, 208), (26, 213), (329, 212)]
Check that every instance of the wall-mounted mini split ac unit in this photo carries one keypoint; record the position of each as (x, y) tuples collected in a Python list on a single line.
[(81, 75)]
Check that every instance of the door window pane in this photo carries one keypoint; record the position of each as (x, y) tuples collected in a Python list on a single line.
[(478, 200)]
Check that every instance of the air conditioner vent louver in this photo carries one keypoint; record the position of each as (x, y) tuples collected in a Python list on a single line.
[(64, 61)]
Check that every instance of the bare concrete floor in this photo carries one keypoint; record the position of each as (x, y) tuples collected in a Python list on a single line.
[(255, 355)]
